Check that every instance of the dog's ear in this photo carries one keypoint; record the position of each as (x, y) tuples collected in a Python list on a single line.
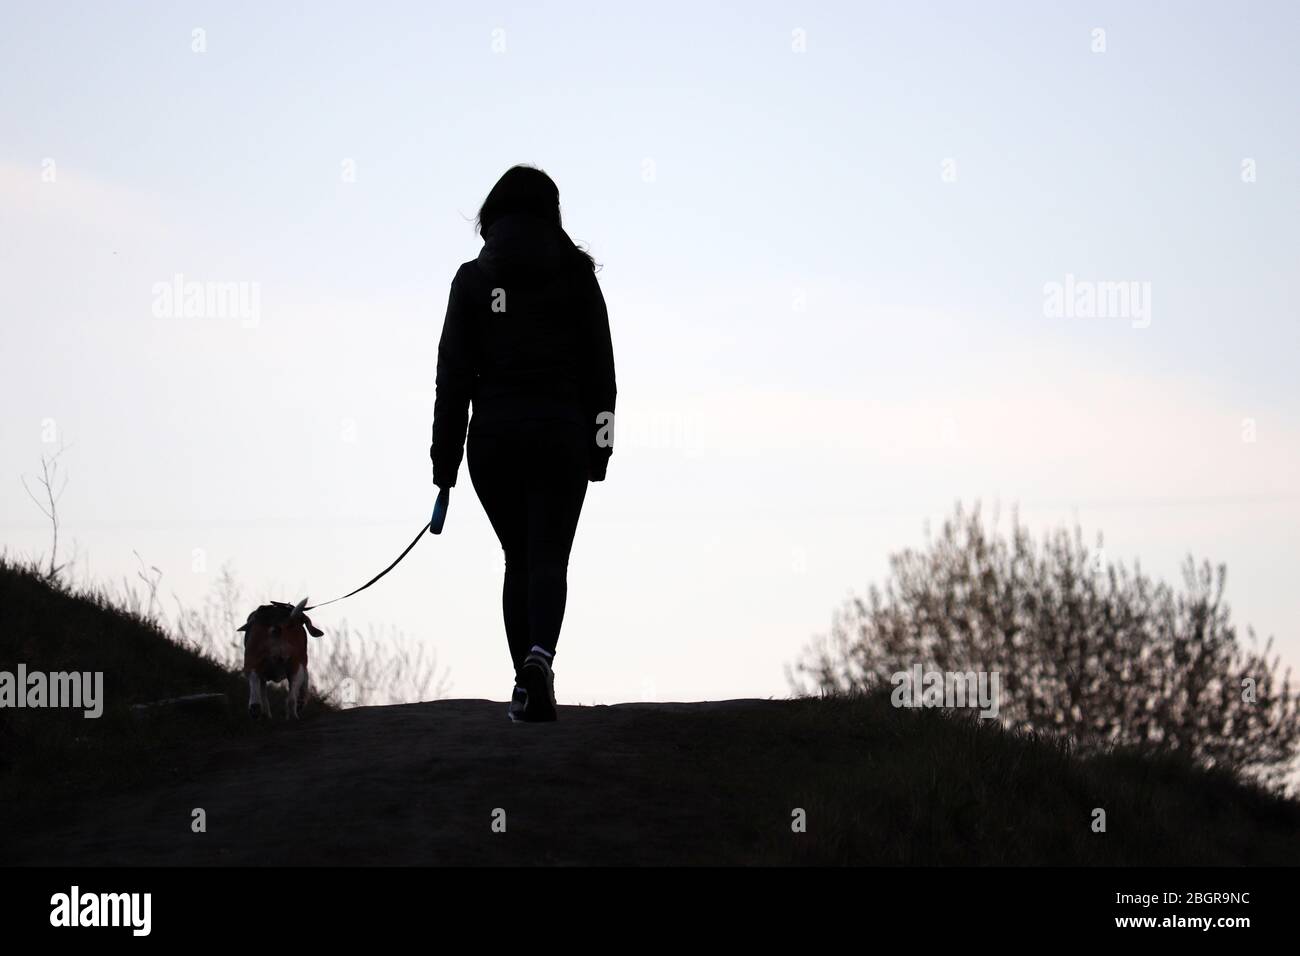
[(312, 629)]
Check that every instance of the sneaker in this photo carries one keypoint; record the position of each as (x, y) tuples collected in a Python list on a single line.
[(518, 701), (538, 680)]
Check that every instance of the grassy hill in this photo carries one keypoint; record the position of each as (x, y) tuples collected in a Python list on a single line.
[(53, 755), (633, 783)]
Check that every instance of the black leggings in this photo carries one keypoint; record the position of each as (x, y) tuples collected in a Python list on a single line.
[(531, 478)]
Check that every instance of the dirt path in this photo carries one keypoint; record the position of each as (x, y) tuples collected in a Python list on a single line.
[(420, 784)]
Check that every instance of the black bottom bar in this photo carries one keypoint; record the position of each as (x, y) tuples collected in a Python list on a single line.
[(931, 905)]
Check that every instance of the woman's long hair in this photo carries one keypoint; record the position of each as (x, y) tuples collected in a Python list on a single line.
[(525, 189)]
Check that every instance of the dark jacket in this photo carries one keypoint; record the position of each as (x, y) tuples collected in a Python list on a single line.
[(526, 338)]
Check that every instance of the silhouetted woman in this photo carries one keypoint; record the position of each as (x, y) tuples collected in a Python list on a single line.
[(526, 340)]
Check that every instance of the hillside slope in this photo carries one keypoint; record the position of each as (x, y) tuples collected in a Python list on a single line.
[(627, 784)]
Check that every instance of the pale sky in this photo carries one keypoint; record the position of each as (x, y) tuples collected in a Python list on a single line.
[(825, 273)]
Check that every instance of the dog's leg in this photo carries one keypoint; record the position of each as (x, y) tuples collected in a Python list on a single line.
[(256, 694), (295, 688)]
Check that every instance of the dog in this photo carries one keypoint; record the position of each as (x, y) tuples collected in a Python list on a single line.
[(275, 649)]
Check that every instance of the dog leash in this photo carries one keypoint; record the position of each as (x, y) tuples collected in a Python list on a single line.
[(413, 543), (434, 525)]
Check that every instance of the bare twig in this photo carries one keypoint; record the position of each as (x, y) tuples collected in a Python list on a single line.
[(53, 492), (151, 581)]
